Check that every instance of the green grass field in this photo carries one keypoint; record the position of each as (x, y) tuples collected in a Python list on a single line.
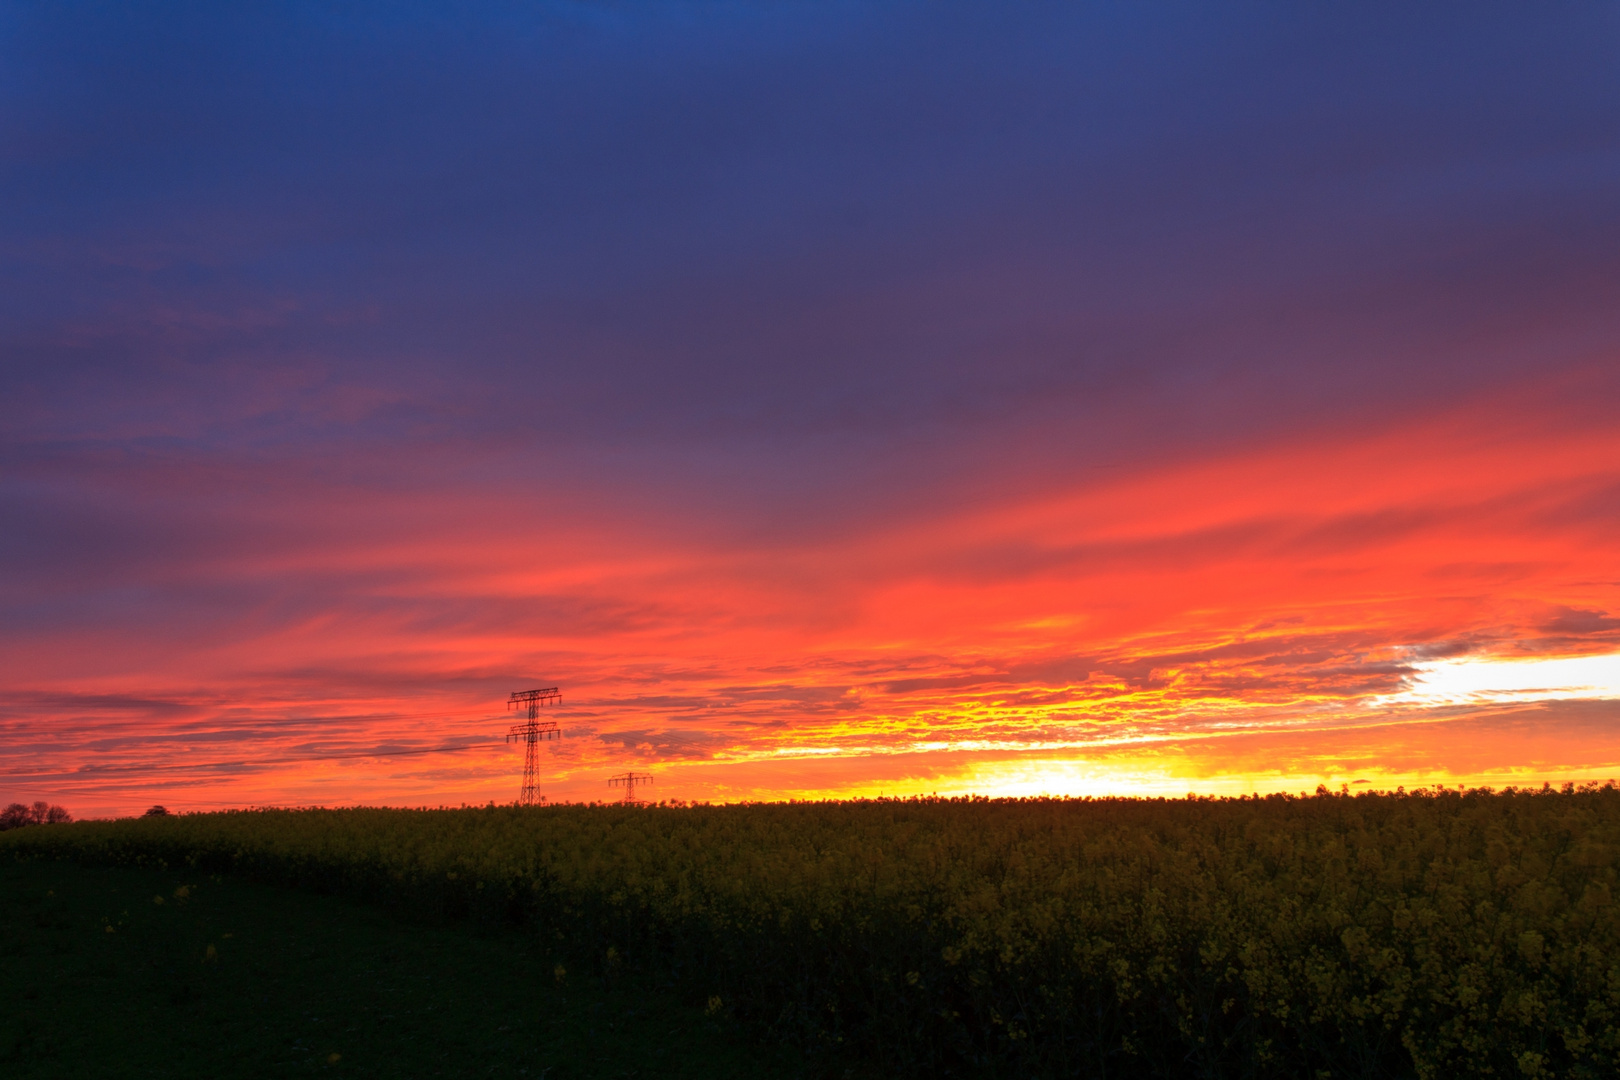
[(229, 979)]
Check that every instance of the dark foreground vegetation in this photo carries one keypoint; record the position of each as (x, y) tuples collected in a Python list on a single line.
[(1429, 934), (225, 978)]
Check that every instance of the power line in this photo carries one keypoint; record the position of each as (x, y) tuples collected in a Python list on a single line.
[(184, 766)]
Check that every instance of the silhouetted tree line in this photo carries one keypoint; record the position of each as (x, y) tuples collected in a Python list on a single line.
[(19, 814)]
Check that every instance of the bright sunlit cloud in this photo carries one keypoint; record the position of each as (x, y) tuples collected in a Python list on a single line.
[(1482, 681), (822, 415)]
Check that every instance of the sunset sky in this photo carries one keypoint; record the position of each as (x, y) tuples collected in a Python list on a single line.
[(833, 399)]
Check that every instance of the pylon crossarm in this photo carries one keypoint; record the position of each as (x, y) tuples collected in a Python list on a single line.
[(533, 699)]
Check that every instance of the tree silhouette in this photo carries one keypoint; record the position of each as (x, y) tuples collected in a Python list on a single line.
[(16, 815)]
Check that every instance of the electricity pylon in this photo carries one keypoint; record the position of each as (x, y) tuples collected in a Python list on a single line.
[(531, 732), (628, 781)]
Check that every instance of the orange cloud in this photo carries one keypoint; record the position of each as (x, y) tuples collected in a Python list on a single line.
[(1218, 624)]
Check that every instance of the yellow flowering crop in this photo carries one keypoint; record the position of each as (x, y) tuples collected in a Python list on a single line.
[(1426, 934)]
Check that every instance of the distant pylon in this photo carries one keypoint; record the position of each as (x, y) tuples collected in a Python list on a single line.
[(628, 781), (530, 733)]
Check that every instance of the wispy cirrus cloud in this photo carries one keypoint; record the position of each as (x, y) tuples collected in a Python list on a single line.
[(831, 400)]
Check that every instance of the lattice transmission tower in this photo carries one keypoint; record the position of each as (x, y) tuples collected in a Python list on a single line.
[(628, 781), (531, 733)]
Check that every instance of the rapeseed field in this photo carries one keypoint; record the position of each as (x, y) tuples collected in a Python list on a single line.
[(1426, 934)]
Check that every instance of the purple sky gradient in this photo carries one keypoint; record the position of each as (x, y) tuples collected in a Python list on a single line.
[(376, 336)]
